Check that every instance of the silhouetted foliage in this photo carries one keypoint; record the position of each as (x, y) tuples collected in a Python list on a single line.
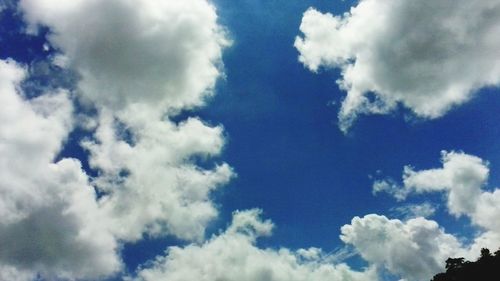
[(453, 264), (486, 268)]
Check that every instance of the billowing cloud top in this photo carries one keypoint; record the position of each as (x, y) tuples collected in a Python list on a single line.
[(414, 249), (139, 62), (234, 256), (427, 55), (462, 178), (50, 223), (163, 53)]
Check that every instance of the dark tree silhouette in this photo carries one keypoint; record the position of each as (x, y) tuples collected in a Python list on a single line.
[(485, 254), (486, 268), (454, 264)]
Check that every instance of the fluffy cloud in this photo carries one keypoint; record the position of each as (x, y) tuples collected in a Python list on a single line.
[(163, 53), (415, 249), (50, 223), (462, 178), (233, 256), (427, 55), (152, 186), (140, 62)]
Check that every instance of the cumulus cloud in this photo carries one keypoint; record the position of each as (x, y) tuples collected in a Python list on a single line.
[(50, 223), (414, 249), (426, 55), (166, 54), (463, 178), (150, 182), (139, 64), (233, 255)]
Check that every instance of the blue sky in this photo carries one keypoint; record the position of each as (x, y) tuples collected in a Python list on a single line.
[(272, 117)]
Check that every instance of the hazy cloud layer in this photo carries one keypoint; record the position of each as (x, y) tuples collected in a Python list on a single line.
[(233, 255), (408, 211), (427, 55), (13, 274)]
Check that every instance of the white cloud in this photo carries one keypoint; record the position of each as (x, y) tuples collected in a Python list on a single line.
[(166, 54), (487, 211), (233, 255), (462, 178), (414, 249), (50, 223), (427, 55), (162, 191), (140, 62), (389, 186)]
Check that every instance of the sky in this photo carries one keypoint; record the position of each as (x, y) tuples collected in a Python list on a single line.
[(247, 140)]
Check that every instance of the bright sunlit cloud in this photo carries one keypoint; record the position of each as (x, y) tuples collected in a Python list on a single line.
[(178, 140), (427, 55)]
